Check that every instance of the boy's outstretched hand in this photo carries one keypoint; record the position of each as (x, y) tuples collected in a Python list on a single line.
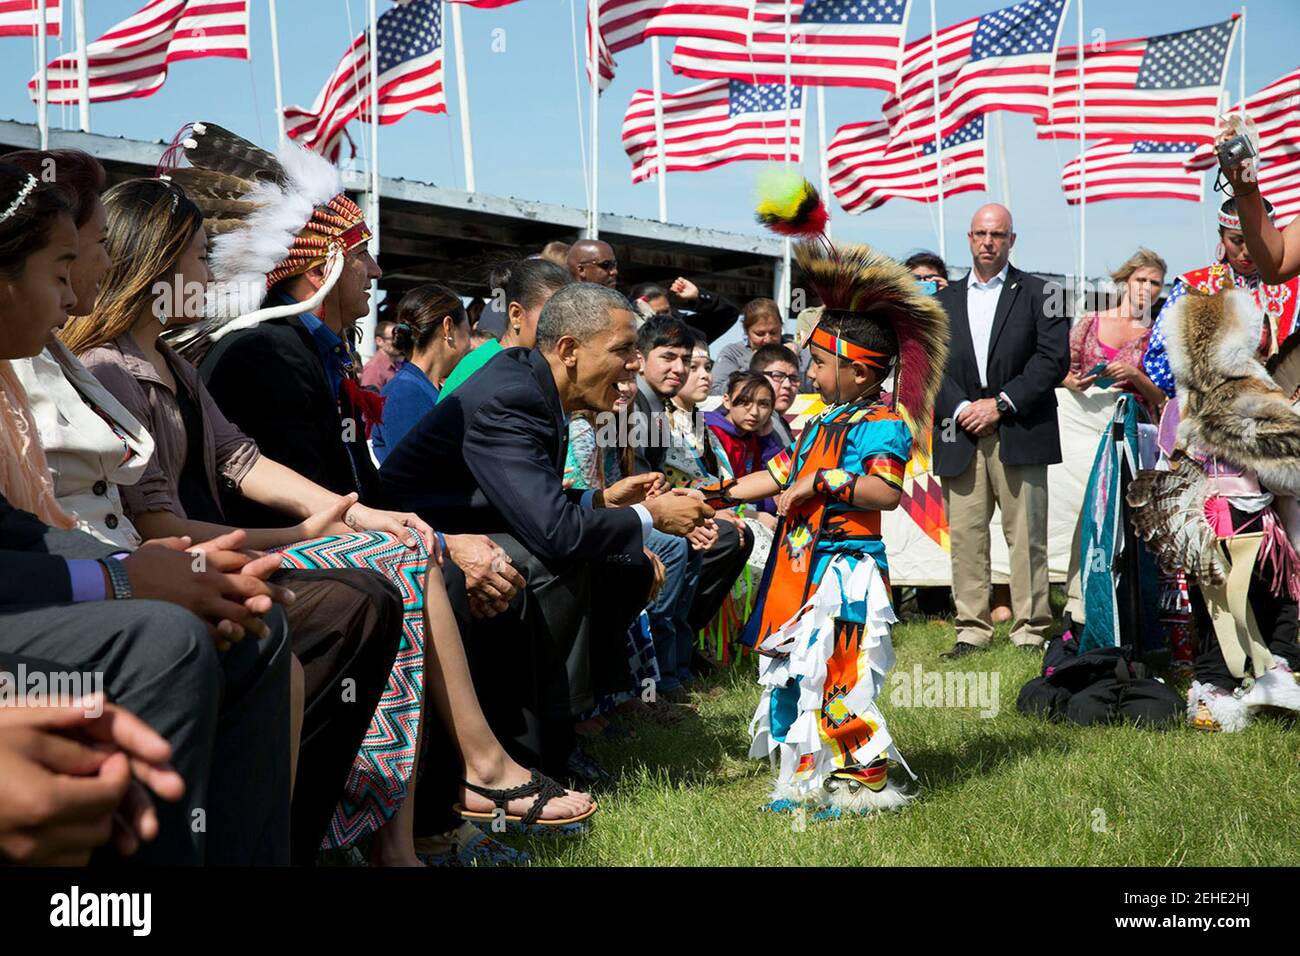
[(796, 494)]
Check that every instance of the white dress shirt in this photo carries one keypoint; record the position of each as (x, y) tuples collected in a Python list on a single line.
[(981, 306)]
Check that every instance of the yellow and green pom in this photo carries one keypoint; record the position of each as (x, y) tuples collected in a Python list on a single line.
[(788, 204)]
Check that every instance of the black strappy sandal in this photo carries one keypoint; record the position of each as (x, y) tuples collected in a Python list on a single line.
[(539, 785)]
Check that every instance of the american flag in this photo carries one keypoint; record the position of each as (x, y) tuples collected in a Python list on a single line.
[(1000, 61), (131, 59), (866, 169), (1276, 112), (626, 23), (410, 78), (712, 124), (832, 43), (1139, 170), (18, 18), (1163, 87)]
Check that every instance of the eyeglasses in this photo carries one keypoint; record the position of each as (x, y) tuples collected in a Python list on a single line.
[(984, 234), (780, 378), (608, 265)]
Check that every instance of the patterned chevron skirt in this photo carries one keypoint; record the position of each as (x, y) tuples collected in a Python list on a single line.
[(376, 785)]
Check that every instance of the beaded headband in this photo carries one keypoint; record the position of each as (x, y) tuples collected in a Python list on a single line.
[(21, 198), (340, 222), (842, 347), (1230, 220)]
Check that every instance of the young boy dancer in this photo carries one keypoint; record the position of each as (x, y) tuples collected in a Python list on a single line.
[(823, 619)]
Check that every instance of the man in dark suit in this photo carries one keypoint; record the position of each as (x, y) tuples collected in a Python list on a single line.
[(491, 458), (140, 621), (995, 431)]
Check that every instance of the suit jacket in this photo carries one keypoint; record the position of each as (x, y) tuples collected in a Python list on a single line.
[(1029, 354), (33, 559), (269, 381), (490, 458)]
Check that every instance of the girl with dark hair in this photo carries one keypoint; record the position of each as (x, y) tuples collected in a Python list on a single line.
[(153, 221), (749, 399), (530, 285), (432, 331), (38, 241)]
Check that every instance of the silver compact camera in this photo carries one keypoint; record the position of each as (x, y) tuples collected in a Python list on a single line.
[(1235, 151)]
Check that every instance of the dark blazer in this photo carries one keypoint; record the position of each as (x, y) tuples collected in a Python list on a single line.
[(269, 381), (33, 559), (490, 458), (1029, 354)]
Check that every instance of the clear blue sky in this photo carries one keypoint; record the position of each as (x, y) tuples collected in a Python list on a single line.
[(525, 120)]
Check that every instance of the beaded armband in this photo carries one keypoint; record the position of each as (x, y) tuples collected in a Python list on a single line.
[(718, 494), (835, 484)]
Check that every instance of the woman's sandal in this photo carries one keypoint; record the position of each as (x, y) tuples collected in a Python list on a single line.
[(539, 785)]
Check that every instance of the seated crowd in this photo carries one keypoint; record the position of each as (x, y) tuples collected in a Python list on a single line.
[(309, 585), (237, 531)]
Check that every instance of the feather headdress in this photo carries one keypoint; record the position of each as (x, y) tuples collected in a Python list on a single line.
[(269, 217), (858, 280)]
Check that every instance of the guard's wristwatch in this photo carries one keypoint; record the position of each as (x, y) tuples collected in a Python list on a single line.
[(1003, 406), (118, 578)]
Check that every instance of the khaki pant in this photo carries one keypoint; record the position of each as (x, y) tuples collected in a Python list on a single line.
[(1021, 492)]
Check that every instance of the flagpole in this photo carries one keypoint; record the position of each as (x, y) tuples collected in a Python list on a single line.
[(1083, 169), (275, 67), (462, 83), (593, 42), (938, 127), (42, 78), (372, 55), (662, 174), (83, 65), (823, 165), (1241, 62), (1000, 135), (785, 251)]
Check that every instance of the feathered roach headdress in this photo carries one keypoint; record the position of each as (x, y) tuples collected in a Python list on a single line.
[(269, 217), (859, 281)]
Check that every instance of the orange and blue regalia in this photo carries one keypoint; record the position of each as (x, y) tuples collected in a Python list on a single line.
[(822, 624)]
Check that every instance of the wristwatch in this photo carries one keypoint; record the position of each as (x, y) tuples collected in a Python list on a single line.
[(1003, 406), (118, 578)]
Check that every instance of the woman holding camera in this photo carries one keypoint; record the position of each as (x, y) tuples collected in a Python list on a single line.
[(1275, 252), (1234, 266)]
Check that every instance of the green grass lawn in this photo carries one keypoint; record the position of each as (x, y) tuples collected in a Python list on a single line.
[(1005, 790)]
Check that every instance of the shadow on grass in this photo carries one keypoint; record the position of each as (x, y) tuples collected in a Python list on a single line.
[(987, 754)]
